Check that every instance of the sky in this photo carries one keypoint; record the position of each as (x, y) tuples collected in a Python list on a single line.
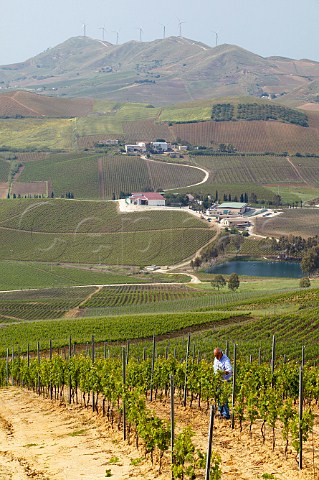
[(285, 28)]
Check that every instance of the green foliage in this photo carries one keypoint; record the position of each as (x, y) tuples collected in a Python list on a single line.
[(233, 281), (310, 260), (258, 111), (304, 282), (218, 282), (113, 460), (104, 328)]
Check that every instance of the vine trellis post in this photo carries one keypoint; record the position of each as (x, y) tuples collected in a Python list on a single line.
[(234, 387), (210, 441)]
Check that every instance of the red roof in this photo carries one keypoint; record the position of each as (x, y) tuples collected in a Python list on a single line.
[(148, 195)]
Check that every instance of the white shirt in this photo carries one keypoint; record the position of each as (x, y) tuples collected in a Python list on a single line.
[(225, 365)]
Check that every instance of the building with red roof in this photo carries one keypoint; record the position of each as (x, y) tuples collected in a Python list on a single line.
[(154, 199)]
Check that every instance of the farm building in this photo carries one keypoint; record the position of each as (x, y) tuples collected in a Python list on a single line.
[(147, 198), (235, 222), (139, 147), (159, 146), (231, 208)]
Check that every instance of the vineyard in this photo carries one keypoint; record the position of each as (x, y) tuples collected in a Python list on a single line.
[(93, 232), (133, 174), (274, 404), (78, 173), (139, 295), (148, 130), (4, 170), (250, 136), (241, 169), (76, 217), (40, 304), (111, 367), (297, 221)]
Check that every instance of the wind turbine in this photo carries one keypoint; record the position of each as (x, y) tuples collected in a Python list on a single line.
[(164, 30), (180, 23), (216, 37), (141, 31), (84, 29), (103, 32), (117, 36)]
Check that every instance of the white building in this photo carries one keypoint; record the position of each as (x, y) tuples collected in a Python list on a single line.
[(147, 198), (231, 208), (139, 147), (159, 146)]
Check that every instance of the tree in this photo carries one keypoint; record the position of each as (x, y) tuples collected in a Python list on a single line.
[(310, 261), (304, 282), (277, 200), (253, 198), (218, 282), (233, 282)]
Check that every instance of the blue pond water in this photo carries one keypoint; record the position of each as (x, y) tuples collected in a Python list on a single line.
[(259, 269)]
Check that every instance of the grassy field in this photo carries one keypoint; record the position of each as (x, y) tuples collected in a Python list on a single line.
[(25, 275), (37, 133)]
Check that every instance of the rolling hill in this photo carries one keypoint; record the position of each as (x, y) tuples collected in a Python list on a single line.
[(160, 72), (26, 104)]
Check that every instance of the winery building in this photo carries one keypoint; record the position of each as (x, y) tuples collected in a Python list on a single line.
[(147, 198)]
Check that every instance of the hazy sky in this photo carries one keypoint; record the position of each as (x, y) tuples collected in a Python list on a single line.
[(273, 27)]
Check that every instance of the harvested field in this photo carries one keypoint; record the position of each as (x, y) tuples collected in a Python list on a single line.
[(27, 104), (31, 188), (295, 221)]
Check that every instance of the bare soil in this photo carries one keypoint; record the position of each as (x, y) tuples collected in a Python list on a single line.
[(47, 440)]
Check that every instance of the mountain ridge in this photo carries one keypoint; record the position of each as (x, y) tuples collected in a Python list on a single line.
[(164, 71)]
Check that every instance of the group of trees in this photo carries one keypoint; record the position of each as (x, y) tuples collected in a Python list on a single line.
[(223, 112), (219, 282)]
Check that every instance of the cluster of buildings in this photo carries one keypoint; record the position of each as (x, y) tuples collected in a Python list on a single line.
[(154, 147), (228, 214), (231, 214)]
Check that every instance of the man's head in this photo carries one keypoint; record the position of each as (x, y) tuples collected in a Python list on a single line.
[(218, 353)]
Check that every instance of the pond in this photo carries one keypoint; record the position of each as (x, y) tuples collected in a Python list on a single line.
[(259, 269)]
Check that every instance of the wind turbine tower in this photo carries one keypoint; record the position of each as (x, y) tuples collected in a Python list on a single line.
[(117, 37), (84, 29), (103, 32), (164, 30), (141, 31), (180, 23), (216, 38)]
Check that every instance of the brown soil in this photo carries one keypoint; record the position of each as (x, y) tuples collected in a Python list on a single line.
[(46, 440), (4, 188)]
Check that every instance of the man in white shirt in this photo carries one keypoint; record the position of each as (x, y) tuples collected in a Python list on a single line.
[(222, 363)]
